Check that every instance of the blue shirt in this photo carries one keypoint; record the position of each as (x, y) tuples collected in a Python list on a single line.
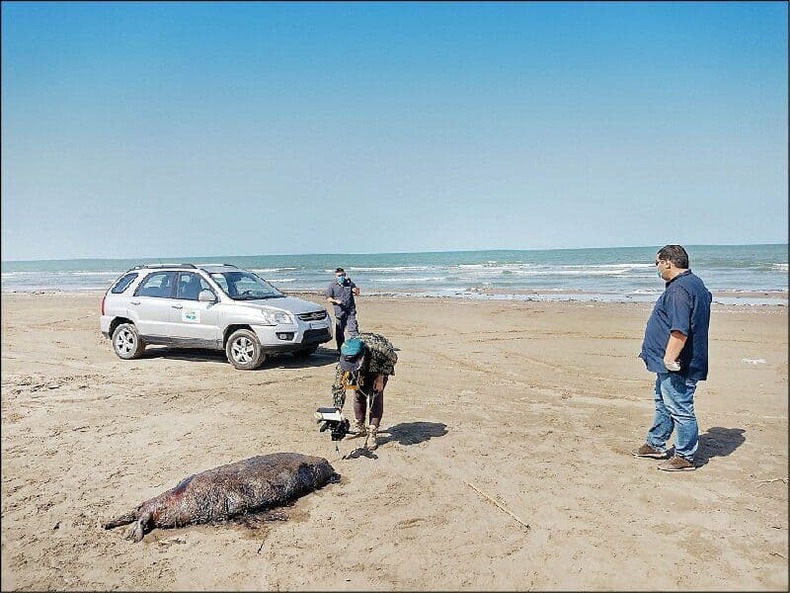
[(345, 294), (684, 306)]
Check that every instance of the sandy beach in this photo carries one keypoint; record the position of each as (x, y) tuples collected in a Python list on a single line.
[(505, 459)]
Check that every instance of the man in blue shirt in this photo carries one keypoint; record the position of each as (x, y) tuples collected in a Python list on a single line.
[(341, 294), (675, 347)]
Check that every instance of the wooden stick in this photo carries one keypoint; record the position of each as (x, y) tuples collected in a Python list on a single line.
[(772, 480), (476, 489)]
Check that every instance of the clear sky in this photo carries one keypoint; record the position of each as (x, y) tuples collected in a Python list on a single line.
[(158, 129)]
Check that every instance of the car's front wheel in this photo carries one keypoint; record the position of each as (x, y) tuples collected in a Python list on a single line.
[(244, 350), (126, 342)]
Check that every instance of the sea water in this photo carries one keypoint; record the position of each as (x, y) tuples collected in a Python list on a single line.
[(751, 274)]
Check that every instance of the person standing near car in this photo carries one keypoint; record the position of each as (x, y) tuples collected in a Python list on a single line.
[(675, 347), (341, 294)]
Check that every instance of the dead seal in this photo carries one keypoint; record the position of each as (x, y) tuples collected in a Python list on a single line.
[(227, 491)]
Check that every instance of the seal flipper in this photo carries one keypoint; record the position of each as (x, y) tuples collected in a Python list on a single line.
[(124, 519), (139, 529)]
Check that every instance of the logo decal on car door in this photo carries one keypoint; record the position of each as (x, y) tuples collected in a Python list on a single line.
[(190, 316)]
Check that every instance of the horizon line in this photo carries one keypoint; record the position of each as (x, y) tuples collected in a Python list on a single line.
[(498, 249)]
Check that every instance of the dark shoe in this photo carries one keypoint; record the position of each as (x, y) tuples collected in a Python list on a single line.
[(677, 464), (647, 451)]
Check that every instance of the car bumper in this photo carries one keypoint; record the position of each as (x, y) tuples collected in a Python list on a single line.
[(106, 321), (290, 338)]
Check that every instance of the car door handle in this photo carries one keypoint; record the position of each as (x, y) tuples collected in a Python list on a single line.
[(179, 306), (134, 302)]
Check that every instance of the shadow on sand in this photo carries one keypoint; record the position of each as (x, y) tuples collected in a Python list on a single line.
[(322, 357), (406, 433), (718, 442), (411, 433)]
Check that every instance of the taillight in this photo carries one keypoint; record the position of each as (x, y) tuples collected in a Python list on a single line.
[(102, 303)]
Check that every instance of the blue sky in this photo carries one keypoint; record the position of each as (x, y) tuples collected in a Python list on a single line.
[(198, 129)]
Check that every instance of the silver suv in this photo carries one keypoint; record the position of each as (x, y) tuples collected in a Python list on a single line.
[(221, 307)]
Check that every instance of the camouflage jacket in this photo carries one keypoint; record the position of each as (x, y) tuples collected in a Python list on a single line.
[(380, 358)]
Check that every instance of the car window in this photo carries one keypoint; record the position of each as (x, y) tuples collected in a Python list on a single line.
[(157, 284), (223, 284), (190, 285), (123, 283), (245, 286)]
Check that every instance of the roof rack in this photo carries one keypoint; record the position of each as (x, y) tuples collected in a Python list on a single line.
[(182, 266), (155, 266), (216, 264)]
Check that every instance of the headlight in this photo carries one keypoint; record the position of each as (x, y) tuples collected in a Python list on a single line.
[(277, 316)]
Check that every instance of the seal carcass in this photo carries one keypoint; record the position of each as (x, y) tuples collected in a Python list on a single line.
[(217, 494)]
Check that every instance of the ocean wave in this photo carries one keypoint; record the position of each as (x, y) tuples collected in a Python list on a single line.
[(271, 270), (385, 269), (78, 273), (58, 273), (567, 272), (410, 280)]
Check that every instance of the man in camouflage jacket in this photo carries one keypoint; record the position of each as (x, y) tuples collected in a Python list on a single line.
[(366, 362)]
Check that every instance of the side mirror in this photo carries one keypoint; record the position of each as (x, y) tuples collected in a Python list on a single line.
[(206, 296)]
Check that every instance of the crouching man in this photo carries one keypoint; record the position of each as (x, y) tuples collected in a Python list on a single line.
[(366, 363)]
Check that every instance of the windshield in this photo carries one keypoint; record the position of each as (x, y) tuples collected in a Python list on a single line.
[(245, 286)]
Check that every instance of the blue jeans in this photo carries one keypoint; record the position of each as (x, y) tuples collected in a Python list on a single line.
[(674, 399)]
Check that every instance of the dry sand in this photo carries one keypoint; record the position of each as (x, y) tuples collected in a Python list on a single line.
[(501, 415)]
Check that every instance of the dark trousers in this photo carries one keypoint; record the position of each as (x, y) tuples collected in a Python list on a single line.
[(361, 401), (341, 323)]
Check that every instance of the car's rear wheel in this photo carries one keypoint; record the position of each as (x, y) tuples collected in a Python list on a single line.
[(305, 352), (244, 350), (126, 341)]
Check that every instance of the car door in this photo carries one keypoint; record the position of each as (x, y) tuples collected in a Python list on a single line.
[(151, 303), (190, 319)]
